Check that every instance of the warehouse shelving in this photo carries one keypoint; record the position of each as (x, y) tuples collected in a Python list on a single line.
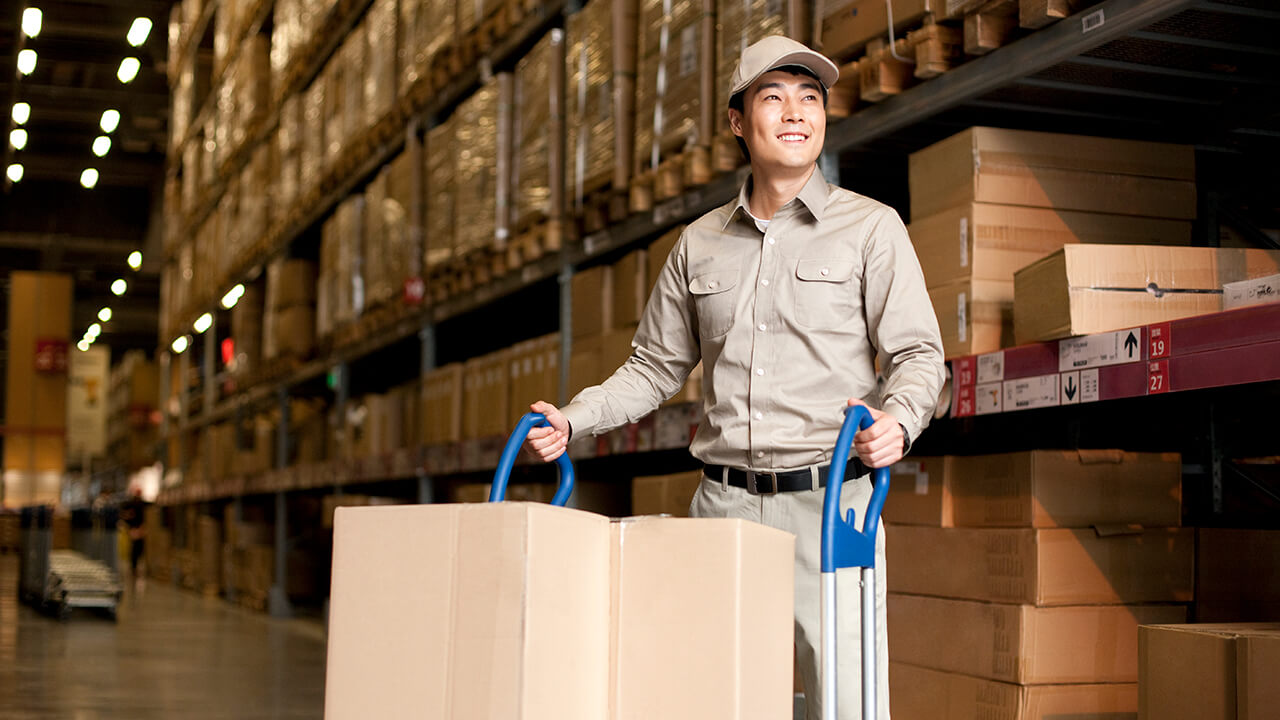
[(1084, 74)]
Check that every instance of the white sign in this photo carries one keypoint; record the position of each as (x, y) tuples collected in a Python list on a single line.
[(1113, 348), (1032, 392), (87, 400), (1089, 385), (991, 367), (1071, 388), (988, 399)]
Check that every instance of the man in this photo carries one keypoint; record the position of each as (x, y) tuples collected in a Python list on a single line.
[(787, 295)]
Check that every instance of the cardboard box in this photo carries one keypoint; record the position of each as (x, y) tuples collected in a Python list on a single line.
[(1039, 488), (1043, 567), (1067, 172), (1020, 643), (922, 694), (669, 494), (290, 282), (1237, 575), (1084, 289), (848, 26), (441, 415), (295, 332), (630, 287), (1246, 293), (592, 301), (590, 620), (979, 241), (1209, 672), (974, 316)]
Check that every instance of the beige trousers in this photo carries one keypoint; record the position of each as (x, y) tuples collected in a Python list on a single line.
[(800, 513)]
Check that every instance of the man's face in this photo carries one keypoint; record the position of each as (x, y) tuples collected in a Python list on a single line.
[(783, 121)]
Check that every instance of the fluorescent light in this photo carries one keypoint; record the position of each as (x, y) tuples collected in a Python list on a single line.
[(15, 172), (94, 331), (128, 69), (101, 145), (31, 21), (204, 322), (179, 345), (232, 297), (21, 113), (139, 31), (105, 314), (89, 178), (18, 138), (119, 286), (27, 61), (135, 259), (83, 345), (110, 120)]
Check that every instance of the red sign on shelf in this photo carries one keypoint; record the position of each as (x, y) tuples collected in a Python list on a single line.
[(1158, 377), (1161, 341), (51, 356)]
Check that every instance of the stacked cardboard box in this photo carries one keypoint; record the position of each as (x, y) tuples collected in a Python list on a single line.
[(441, 410), (425, 27), (245, 93), (738, 25), (387, 252), (674, 68), (486, 395), (340, 292), (848, 25), (1209, 672), (986, 201), (535, 373), (288, 142), (382, 62), (475, 183), (665, 494), (255, 446), (539, 124), (1030, 570), (311, 152), (289, 326), (247, 332), (473, 12), (442, 166), (600, 73)]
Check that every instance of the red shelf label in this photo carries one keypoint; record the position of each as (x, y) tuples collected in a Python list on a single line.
[(1161, 341), (1158, 377)]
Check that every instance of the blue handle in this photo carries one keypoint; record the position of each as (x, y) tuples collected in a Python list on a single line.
[(498, 492), (843, 545)]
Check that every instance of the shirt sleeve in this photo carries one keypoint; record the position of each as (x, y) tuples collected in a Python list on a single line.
[(902, 325), (664, 351)]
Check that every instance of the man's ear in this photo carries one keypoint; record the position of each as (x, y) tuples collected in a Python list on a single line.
[(735, 122)]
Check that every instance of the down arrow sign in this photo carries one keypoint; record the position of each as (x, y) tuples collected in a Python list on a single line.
[(1070, 389)]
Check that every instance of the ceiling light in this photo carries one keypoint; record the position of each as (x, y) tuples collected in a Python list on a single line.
[(135, 259), (119, 286), (128, 69), (180, 345), (21, 113), (27, 61), (15, 172), (232, 297), (94, 331), (139, 31), (105, 314), (18, 138), (83, 345), (31, 20), (110, 120), (101, 145), (204, 322), (89, 178)]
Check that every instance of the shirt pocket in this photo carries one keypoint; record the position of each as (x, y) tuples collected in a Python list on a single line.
[(824, 295), (714, 293)]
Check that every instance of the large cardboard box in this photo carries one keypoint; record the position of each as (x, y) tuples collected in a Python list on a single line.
[(592, 301), (290, 282), (669, 494), (1209, 672), (923, 694), (980, 241), (1043, 567), (848, 26), (1038, 488), (630, 287), (518, 610), (1084, 289), (441, 415), (1067, 172), (1020, 643), (294, 332), (974, 316), (1237, 575)]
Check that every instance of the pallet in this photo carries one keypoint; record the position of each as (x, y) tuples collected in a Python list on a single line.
[(1034, 14), (881, 74), (990, 27), (602, 208), (726, 156), (937, 49), (530, 245), (673, 176)]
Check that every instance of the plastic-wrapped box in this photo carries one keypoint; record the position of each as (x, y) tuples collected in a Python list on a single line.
[(739, 23), (425, 27), (375, 266), (442, 164), (473, 12), (403, 261), (589, 100), (288, 141), (673, 58), (476, 142), (335, 97), (354, 65), (380, 77), (538, 115), (311, 158), (252, 88)]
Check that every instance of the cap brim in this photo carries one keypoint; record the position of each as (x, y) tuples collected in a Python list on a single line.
[(826, 70)]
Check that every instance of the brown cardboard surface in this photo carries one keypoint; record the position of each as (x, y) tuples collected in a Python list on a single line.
[(1083, 289), (1237, 575), (847, 26), (920, 492), (670, 494), (295, 332), (592, 301), (1068, 172), (630, 287), (441, 415), (974, 316), (1020, 643), (923, 694), (1208, 672), (980, 241), (1049, 567)]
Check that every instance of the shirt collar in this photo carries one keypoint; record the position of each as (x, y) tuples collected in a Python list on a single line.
[(813, 196)]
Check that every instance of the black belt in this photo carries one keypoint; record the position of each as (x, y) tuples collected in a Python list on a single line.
[(764, 482)]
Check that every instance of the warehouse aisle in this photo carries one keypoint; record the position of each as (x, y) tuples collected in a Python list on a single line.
[(173, 654)]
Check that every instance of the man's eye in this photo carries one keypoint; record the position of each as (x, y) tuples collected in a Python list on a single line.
[(772, 97)]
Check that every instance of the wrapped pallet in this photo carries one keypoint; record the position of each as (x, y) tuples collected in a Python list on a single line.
[(253, 88), (403, 254), (312, 150), (334, 77), (380, 74), (674, 66), (290, 309), (288, 157), (473, 12), (476, 146), (739, 23), (354, 57), (538, 160), (377, 264), (425, 27), (442, 164), (590, 117), (246, 332), (258, 188), (286, 28)]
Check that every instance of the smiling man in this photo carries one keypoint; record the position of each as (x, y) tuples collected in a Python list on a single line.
[(788, 295)]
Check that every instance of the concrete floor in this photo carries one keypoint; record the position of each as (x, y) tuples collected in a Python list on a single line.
[(172, 654)]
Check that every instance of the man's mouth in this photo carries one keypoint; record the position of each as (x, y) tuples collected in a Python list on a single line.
[(793, 137)]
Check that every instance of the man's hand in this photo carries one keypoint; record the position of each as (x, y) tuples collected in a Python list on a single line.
[(548, 443), (880, 445)]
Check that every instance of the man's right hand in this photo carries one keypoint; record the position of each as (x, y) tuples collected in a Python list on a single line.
[(548, 443)]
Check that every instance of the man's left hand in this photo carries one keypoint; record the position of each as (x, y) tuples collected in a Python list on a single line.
[(879, 445)]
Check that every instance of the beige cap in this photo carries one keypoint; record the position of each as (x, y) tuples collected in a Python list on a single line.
[(776, 51)]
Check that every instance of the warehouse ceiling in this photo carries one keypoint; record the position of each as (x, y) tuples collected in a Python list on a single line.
[(48, 219)]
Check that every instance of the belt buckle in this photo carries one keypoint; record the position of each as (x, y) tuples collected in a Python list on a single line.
[(754, 488)]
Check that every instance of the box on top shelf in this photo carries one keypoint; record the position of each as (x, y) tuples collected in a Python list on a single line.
[(538, 125), (381, 77), (1208, 672), (923, 694), (1067, 172), (973, 316), (442, 165), (848, 25), (425, 27), (477, 149), (593, 120), (1084, 289), (674, 65), (739, 24), (1020, 643)]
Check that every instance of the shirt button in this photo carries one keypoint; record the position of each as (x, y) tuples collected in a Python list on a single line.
[(759, 371), (759, 415), (713, 284), (765, 282), (771, 241), (761, 326), (759, 453), (823, 272)]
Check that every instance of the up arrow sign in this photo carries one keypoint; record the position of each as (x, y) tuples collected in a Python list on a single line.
[(1070, 388), (1131, 344)]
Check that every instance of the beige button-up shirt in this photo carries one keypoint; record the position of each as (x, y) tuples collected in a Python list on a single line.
[(788, 323)]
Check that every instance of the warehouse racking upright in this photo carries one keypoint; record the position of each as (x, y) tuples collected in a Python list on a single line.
[(1184, 71)]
